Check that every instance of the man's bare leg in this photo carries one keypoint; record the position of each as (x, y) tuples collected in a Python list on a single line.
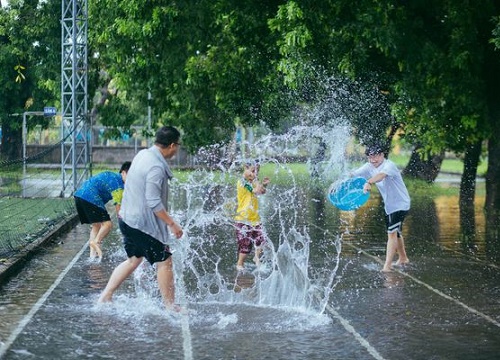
[(165, 277), (120, 273)]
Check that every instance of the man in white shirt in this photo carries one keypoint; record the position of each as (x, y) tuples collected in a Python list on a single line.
[(386, 176), (144, 219)]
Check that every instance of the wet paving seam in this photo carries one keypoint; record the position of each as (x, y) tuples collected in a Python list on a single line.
[(436, 291), (349, 328), (187, 343), (27, 318), (478, 260)]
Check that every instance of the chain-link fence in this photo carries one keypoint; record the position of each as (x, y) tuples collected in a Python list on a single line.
[(30, 202)]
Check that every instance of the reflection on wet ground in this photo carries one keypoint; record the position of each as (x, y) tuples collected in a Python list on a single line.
[(444, 305)]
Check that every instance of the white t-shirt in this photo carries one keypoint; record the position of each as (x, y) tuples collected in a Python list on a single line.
[(392, 188)]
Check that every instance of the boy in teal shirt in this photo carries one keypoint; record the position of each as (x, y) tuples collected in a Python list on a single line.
[(91, 199)]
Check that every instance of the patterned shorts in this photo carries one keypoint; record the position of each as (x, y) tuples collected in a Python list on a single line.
[(248, 236)]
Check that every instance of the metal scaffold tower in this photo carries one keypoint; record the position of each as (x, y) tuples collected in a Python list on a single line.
[(76, 145)]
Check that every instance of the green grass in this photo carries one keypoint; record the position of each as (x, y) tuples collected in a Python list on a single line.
[(279, 174), (298, 173), (23, 220), (449, 165)]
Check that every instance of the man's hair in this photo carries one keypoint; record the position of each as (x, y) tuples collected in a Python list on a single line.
[(125, 166), (167, 135)]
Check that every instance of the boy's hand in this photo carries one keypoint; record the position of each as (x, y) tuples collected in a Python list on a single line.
[(266, 181)]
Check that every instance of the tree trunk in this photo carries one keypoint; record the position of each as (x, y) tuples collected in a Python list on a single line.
[(12, 142), (427, 170), (317, 158), (467, 193), (492, 204)]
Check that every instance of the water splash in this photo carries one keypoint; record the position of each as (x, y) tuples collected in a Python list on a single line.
[(205, 258), (205, 203)]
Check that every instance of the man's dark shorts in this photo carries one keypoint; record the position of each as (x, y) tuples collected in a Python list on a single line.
[(394, 221), (90, 213), (140, 244)]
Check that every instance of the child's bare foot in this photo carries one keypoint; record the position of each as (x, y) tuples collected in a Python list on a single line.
[(93, 253), (401, 262), (256, 260), (386, 269), (95, 249)]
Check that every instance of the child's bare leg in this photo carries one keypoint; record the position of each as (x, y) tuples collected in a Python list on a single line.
[(258, 253), (391, 251), (94, 229), (104, 230), (403, 258), (241, 261)]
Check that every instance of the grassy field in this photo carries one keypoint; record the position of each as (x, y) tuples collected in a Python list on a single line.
[(298, 174), (450, 165), (23, 220)]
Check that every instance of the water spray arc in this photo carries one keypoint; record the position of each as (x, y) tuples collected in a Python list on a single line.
[(288, 278)]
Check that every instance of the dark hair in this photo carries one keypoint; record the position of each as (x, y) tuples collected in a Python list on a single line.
[(167, 135), (374, 149), (125, 166)]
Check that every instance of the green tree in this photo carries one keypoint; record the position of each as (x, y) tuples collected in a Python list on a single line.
[(439, 65), (206, 63), (29, 57), (433, 60), (493, 174), (429, 65)]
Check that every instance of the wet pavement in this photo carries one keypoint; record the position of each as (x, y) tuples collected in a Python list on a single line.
[(444, 305)]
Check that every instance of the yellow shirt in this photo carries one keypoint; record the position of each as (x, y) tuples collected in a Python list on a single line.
[(247, 211)]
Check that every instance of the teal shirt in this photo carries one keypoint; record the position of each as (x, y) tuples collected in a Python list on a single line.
[(102, 188)]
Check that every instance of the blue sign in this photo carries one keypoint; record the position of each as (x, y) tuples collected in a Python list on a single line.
[(49, 111)]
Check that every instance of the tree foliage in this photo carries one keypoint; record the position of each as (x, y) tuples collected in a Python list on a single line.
[(427, 68), (29, 59)]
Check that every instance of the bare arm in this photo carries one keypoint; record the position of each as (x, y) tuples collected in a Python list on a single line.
[(172, 224), (260, 187), (373, 180)]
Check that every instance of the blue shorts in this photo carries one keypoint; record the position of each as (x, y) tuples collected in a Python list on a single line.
[(394, 221), (90, 213), (140, 244)]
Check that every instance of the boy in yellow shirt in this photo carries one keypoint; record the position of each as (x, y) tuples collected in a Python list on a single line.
[(248, 226)]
